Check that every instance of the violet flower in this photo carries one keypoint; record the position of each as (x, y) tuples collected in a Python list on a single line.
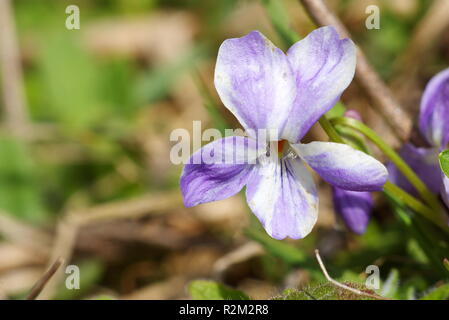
[(434, 126), (285, 94), (352, 206)]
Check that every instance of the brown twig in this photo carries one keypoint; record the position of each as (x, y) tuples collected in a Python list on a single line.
[(40, 285), (24, 235), (386, 104), (151, 204), (341, 285), (69, 226), (11, 73)]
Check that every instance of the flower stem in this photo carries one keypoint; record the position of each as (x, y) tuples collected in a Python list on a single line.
[(414, 204), (389, 187), (330, 130), (422, 189)]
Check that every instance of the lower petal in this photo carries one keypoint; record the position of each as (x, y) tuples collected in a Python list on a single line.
[(353, 207), (218, 170), (343, 166), (282, 195)]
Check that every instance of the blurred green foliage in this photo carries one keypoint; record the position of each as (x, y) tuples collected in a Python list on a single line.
[(210, 290)]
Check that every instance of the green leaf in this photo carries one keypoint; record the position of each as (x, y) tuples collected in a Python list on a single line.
[(294, 294), (444, 162), (324, 291), (440, 293), (211, 290)]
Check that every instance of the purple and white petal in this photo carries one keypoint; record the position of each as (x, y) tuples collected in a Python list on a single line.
[(324, 66), (283, 196), (434, 114), (424, 162), (218, 170), (353, 207), (255, 82), (343, 166), (445, 190)]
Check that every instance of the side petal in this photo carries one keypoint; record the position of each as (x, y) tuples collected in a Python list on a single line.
[(324, 66), (218, 170), (282, 195), (424, 162), (343, 166), (434, 113), (255, 81), (353, 207)]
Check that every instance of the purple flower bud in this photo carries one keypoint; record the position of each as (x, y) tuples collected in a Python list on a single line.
[(351, 113), (354, 208), (434, 115)]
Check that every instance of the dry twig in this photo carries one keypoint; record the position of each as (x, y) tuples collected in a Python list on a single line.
[(341, 285), (40, 285), (11, 73)]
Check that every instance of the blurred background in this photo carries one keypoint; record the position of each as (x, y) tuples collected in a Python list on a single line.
[(85, 172)]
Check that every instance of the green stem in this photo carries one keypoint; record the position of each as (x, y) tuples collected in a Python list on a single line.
[(405, 197), (330, 130), (415, 204), (422, 189)]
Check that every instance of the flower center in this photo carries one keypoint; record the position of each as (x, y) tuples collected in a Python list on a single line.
[(281, 144)]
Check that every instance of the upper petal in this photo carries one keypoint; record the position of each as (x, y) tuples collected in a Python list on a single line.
[(354, 207), (282, 194), (255, 81), (343, 166), (324, 66), (434, 113), (424, 162), (218, 170)]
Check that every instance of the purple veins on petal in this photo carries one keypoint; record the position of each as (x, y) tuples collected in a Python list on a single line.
[(217, 178), (255, 81), (324, 66), (282, 195), (343, 166), (267, 89)]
